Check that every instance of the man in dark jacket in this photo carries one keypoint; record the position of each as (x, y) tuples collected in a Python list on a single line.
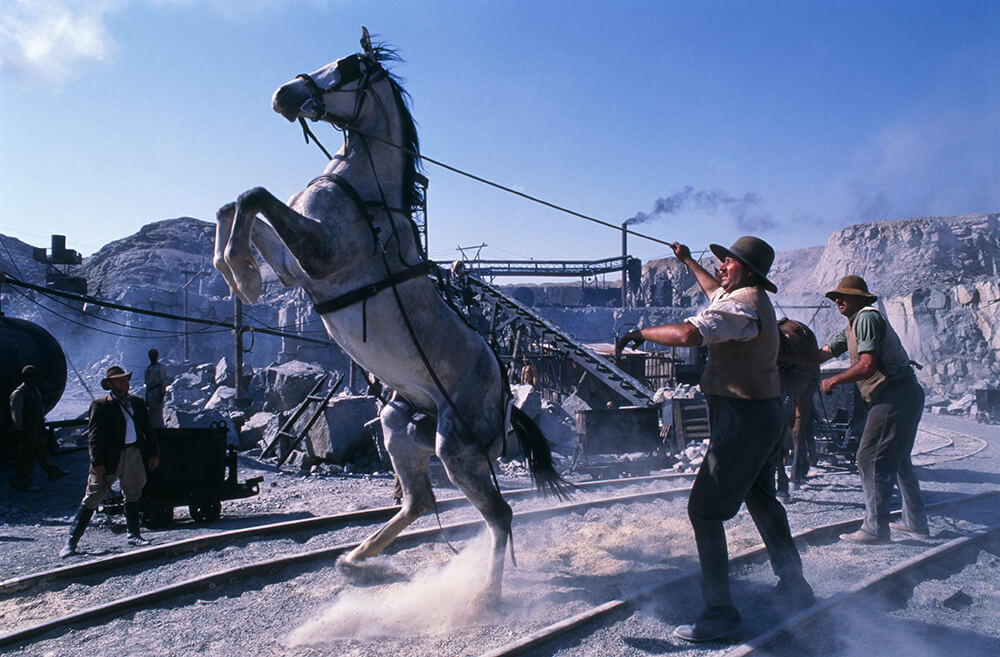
[(27, 414), (121, 442)]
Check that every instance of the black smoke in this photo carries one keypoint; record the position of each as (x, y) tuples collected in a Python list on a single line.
[(746, 211)]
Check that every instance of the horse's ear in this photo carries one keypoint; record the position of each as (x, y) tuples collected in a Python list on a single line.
[(366, 40)]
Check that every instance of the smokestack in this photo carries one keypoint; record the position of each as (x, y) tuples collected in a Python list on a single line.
[(624, 262)]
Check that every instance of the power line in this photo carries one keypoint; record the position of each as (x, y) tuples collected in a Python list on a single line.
[(154, 313)]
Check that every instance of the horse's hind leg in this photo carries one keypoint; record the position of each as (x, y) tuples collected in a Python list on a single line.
[(409, 447), (469, 468)]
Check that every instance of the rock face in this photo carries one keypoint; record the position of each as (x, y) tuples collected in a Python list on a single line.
[(936, 278)]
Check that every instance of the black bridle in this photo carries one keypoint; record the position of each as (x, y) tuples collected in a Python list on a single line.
[(354, 68)]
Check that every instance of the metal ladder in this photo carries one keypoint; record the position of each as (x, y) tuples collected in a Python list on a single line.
[(605, 371), (286, 429)]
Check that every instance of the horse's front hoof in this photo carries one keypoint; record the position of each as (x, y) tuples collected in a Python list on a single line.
[(348, 563), (487, 601)]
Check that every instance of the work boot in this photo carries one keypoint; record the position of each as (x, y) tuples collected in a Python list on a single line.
[(903, 528), (83, 515), (794, 594), (864, 538), (715, 623), (132, 522)]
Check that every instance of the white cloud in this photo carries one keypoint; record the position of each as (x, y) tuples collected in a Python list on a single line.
[(52, 41)]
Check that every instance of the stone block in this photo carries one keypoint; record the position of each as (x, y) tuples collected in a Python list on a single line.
[(937, 300), (340, 434), (965, 296), (223, 399), (258, 427), (287, 385), (225, 373), (989, 291)]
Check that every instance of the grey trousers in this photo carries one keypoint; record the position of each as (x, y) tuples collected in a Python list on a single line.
[(132, 473), (740, 467), (884, 456)]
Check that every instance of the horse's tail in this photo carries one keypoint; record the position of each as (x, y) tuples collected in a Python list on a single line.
[(539, 456)]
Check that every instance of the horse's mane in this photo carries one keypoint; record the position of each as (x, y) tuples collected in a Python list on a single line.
[(413, 193)]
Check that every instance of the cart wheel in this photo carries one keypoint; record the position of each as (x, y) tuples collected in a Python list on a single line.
[(157, 517), (206, 512)]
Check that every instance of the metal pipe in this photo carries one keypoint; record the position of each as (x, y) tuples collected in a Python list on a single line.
[(624, 263)]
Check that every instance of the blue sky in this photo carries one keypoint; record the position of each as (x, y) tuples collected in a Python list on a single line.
[(783, 119)]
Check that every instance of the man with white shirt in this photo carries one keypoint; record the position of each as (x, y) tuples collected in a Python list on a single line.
[(121, 441), (746, 418)]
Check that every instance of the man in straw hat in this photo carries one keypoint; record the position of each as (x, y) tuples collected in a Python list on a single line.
[(121, 441), (747, 421), (882, 371)]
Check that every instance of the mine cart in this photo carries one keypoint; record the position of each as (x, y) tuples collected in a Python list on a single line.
[(197, 470)]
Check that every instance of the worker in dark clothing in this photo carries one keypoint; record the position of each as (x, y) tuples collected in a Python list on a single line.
[(121, 442), (27, 414), (156, 387)]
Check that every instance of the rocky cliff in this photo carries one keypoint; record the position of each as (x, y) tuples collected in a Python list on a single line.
[(936, 278)]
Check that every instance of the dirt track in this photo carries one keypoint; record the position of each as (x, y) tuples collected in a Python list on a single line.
[(413, 602)]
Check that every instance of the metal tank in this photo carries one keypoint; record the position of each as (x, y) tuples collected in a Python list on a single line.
[(24, 343)]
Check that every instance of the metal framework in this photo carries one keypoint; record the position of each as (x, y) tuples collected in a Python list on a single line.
[(573, 268)]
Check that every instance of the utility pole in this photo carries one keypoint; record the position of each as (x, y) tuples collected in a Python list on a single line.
[(187, 282), (238, 328)]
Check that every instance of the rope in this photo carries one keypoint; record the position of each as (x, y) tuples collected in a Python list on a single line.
[(485, 181)]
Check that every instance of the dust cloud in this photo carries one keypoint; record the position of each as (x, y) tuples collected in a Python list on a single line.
[(602, 555)]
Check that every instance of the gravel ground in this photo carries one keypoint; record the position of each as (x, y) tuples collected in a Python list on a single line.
[(414, 602)]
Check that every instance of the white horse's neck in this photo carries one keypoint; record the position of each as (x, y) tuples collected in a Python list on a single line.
[(373, 167)]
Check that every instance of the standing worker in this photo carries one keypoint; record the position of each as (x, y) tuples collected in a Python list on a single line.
[(882, 370), (156, 386), (747, 421), (27, 414), (121, 440)]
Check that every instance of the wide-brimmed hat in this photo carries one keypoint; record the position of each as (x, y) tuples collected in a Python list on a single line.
[(756, 254), (114, 372), (851, 286)]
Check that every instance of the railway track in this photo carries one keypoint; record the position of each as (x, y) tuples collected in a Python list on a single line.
[(280, 559), (949, 446), (364, 517), (357, 524), (570, 635)]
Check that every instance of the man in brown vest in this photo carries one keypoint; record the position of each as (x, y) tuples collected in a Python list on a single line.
[(746, 419), (881, 368)]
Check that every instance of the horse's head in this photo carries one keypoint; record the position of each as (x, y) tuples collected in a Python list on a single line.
[(334, 92)]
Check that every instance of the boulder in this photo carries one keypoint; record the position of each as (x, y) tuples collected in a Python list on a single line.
[(225, 374), (223, 399), (340, 435), (286, 385), (257, 429)]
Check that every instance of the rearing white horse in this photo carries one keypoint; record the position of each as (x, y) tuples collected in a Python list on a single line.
[(348, 240)]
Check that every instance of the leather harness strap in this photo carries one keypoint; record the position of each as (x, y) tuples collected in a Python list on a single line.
[(368, 291)]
